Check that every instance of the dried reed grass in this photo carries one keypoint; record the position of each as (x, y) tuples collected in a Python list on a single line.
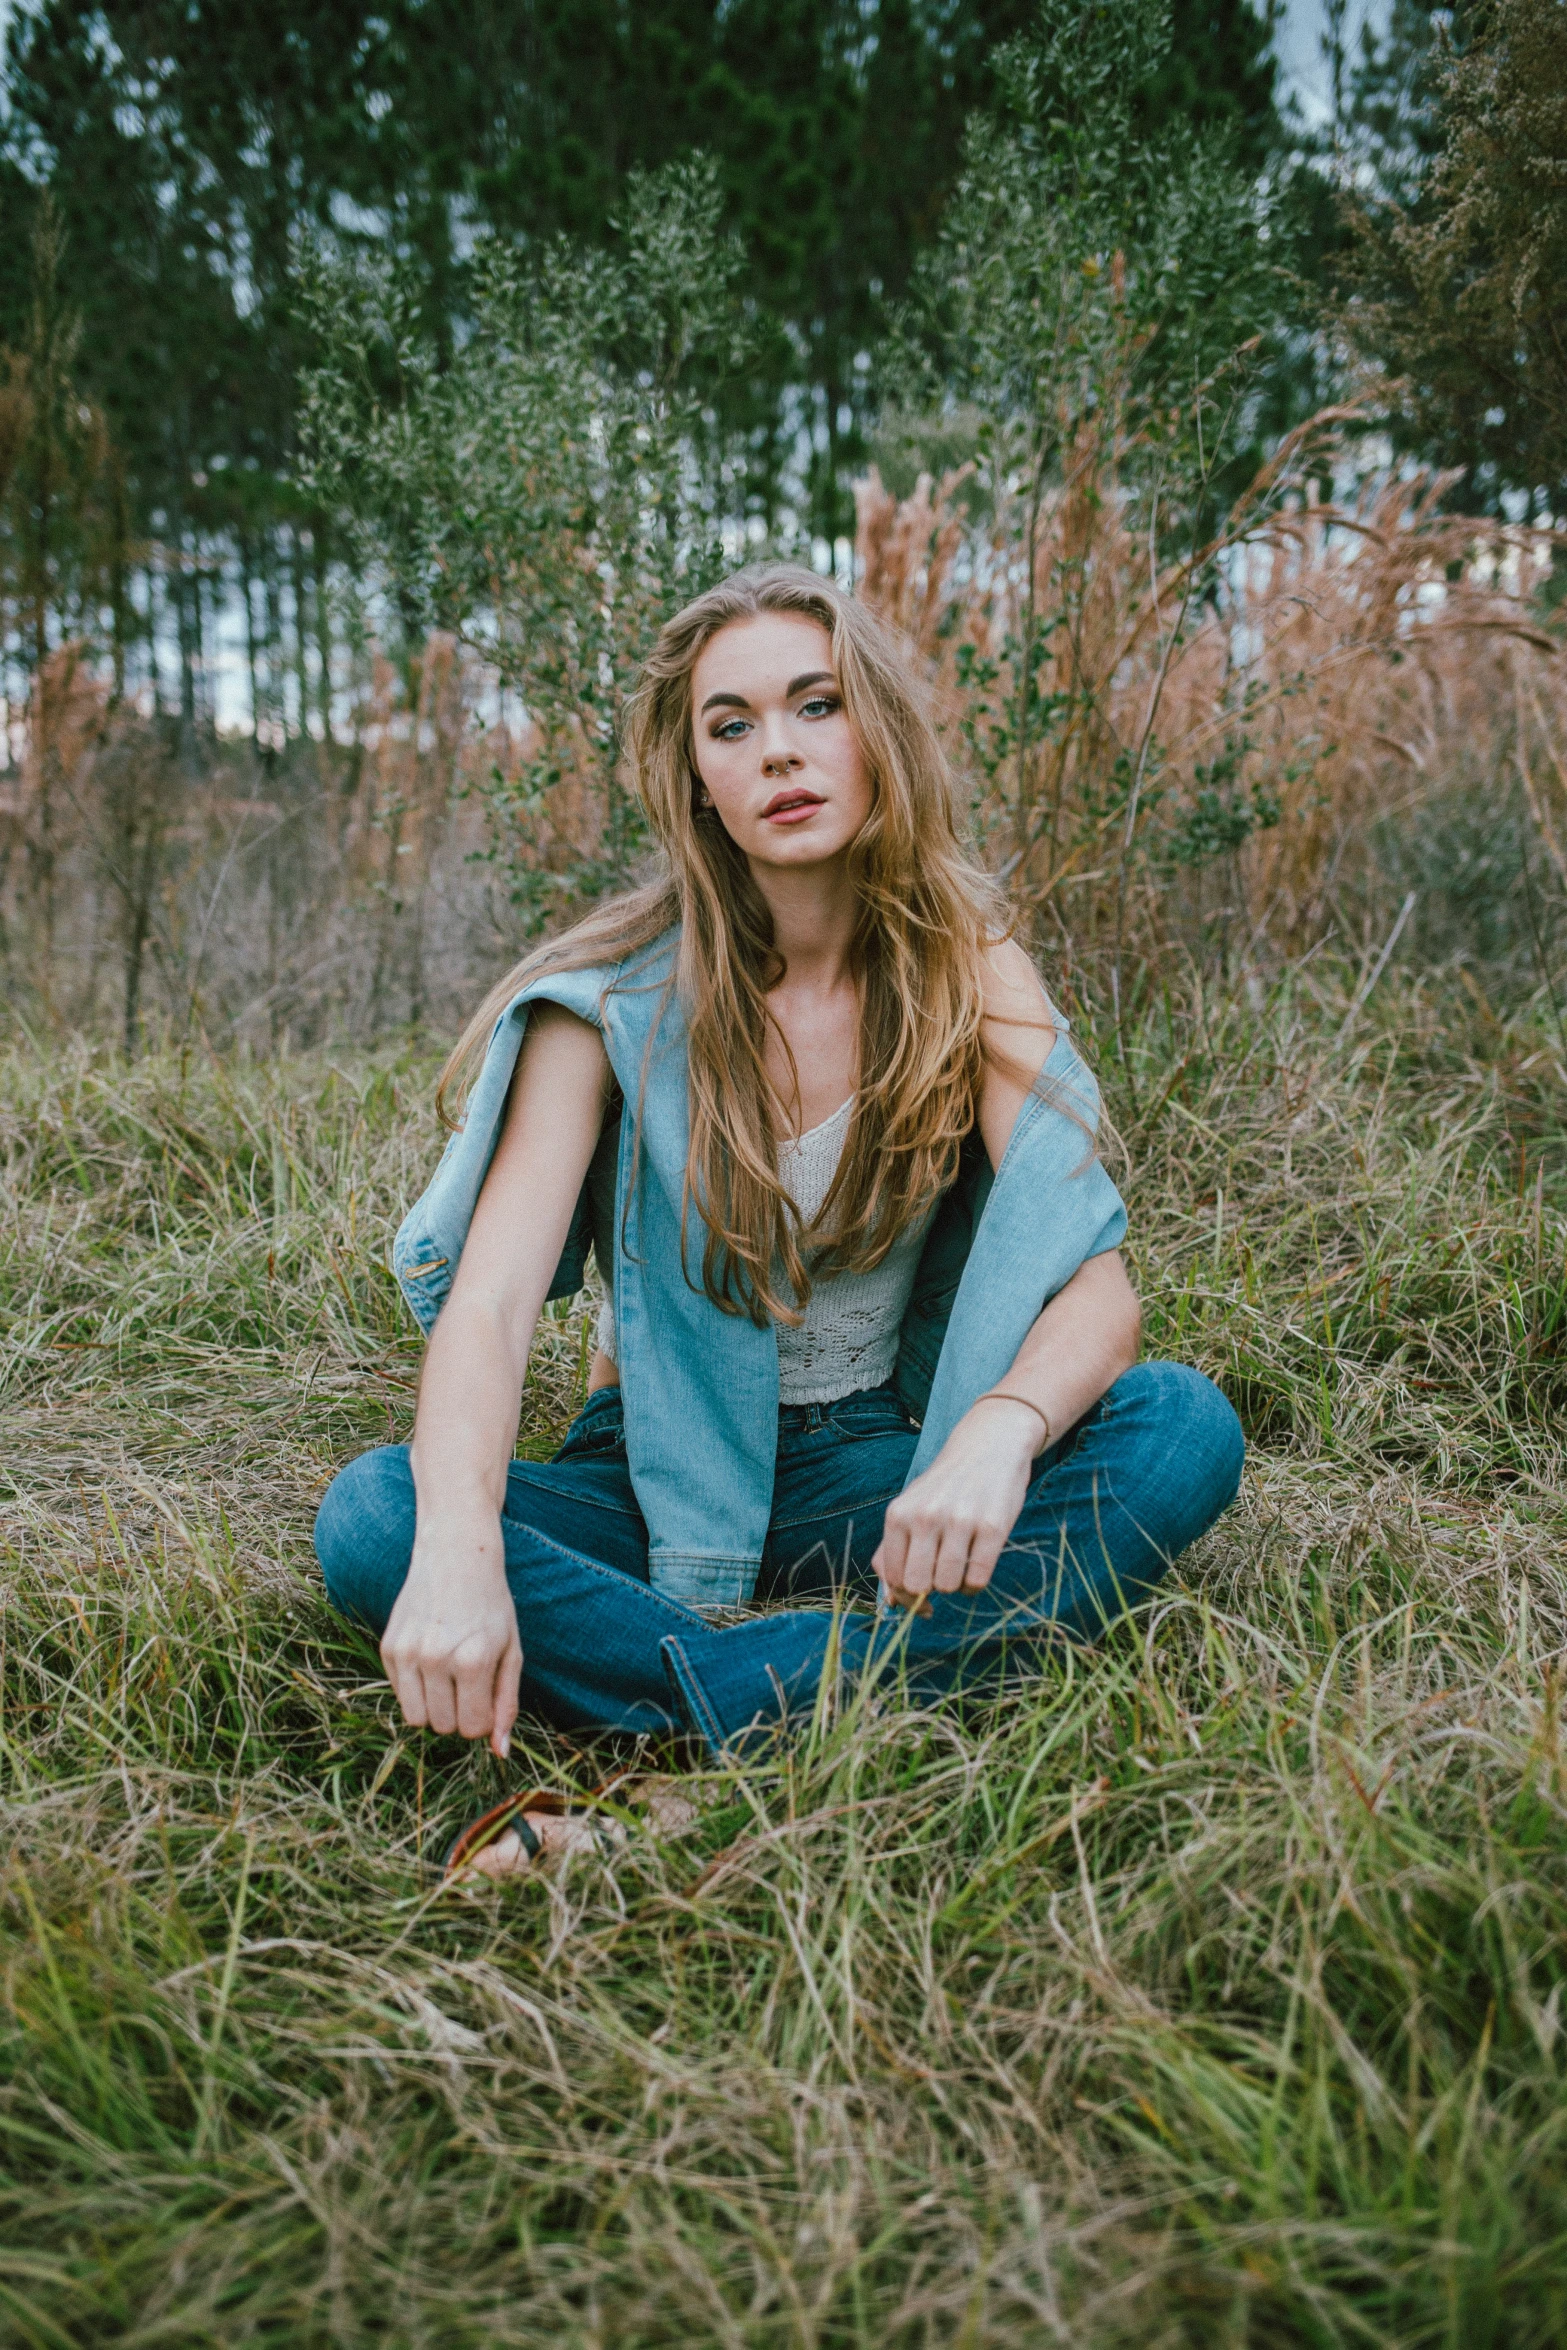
[(1214, 747), (153, 879), (1227, 757)]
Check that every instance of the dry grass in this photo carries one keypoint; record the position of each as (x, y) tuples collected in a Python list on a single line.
[(1209, 1995), (191, 888), (1216, 746), (1226, 756)]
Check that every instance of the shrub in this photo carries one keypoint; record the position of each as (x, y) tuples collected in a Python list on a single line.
[(549, 491)]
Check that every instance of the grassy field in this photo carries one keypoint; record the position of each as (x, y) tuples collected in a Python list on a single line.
[(1210, 1995)]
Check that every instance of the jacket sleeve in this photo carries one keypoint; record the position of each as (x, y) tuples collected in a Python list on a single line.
[(1052, 1207)]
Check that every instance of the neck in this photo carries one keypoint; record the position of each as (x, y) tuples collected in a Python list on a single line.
[(814, 916)]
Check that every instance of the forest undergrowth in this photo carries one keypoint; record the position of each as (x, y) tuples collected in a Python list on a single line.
[(1209, 1993)]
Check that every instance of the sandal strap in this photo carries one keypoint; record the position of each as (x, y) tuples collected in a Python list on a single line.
[(511, 1814)]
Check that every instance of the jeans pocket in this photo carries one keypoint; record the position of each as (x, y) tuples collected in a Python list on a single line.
[(874, 1411)]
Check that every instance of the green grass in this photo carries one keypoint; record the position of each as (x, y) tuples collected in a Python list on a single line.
[(1211, 1994)]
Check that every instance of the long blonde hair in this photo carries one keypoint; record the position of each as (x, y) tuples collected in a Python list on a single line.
[(927, 914)]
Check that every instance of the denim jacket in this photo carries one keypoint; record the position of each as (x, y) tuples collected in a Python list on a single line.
[(700, 1387)]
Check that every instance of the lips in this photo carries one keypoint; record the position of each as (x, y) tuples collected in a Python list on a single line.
[(791, 803)]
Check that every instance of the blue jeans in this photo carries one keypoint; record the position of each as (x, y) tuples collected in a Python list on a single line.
[(1109, 1507)]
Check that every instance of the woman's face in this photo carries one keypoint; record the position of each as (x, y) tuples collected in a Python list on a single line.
[(777, 757)]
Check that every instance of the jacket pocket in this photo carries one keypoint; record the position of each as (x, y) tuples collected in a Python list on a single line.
[(424, 1276)]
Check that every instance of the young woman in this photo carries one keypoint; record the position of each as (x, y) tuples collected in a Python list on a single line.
[(866, 1328)]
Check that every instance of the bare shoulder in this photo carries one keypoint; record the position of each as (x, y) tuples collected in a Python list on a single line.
[(554, 1112), (562, 1071), (1016, 1001), (547, 1019), (1018, 1034)]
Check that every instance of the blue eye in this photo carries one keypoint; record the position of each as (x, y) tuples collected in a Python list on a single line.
[(820, 706), (730, 731)]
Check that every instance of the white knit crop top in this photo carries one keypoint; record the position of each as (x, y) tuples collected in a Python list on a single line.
[(848, 1338)]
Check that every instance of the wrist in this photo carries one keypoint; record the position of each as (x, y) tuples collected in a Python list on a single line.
[(1027, 1421), (458, 1547)]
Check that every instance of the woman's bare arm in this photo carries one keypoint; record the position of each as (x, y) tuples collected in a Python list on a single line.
[(946, 1531), (451, 1647)]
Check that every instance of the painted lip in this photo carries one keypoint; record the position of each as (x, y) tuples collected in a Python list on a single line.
[(788, 807)]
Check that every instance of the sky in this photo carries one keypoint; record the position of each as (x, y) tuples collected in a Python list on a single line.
[(1299, 47)]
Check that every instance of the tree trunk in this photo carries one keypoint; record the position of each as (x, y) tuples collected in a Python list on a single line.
[(278, 711), (301, 627), (119, 572), (186, 638), (324, 627), (247, 586)]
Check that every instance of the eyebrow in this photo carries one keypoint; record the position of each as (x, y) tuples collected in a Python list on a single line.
[(797, 685)]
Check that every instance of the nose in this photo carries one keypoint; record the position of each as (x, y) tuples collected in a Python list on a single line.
[(778, 756)]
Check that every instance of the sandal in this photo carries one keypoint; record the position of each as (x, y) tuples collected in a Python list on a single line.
[(510, 1817), (670, 1814)]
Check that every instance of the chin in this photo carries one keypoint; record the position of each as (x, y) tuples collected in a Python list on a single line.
[(807, 844), (802, 853)]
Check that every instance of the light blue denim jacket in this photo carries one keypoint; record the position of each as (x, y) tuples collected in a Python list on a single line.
[(700, 1387)]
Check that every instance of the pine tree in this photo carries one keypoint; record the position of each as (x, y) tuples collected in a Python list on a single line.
[(1456, 275), (189, 141)]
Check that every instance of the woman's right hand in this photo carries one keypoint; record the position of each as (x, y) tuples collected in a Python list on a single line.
[(450, 1648)]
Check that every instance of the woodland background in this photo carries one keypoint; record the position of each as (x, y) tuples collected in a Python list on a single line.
[(289, 750)]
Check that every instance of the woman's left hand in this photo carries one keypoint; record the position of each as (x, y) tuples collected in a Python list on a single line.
[(946, 1531)]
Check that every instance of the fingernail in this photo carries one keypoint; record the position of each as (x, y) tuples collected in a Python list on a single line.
[(503, 1746)]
